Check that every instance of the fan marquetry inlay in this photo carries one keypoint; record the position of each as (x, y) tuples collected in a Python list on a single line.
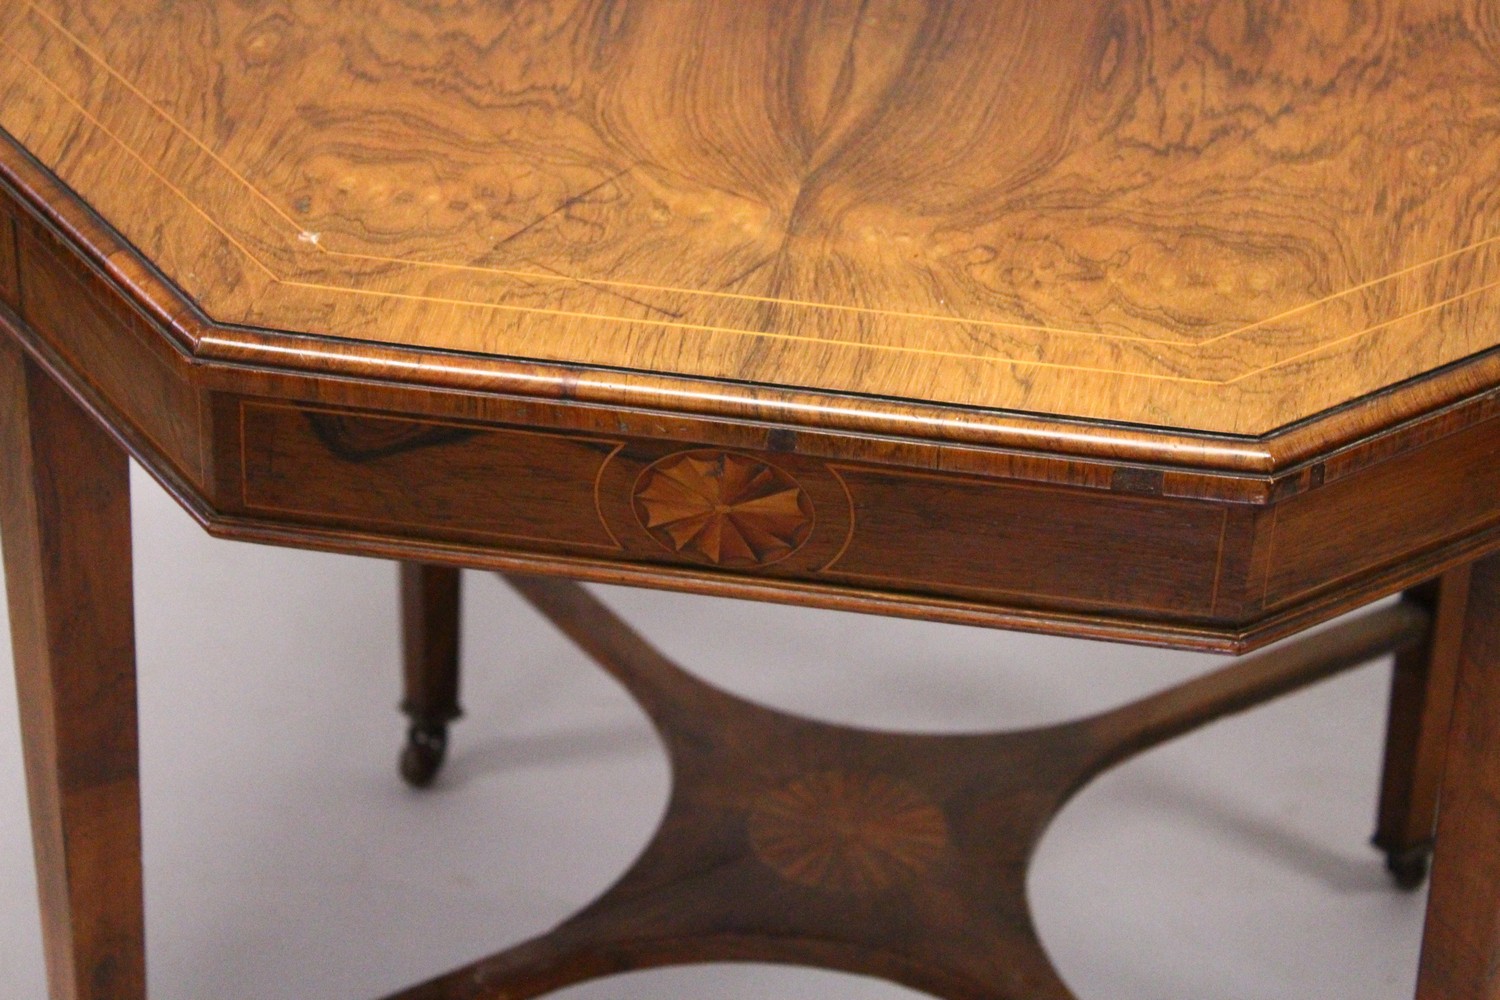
[(847, 832), (723, 508)]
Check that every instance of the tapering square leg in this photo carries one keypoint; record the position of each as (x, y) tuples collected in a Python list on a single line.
[(1417, 733), (429, 633), (1461, 944), (65, 529)]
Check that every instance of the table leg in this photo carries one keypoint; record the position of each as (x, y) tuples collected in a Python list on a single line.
[(429, 632), (1417, 733), (65, 524), (1461, 945)]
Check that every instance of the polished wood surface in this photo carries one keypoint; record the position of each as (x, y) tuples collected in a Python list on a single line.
[(10, 266), (430, 602), (1421, 709), (1461, 944), (1220, 218), (911, 507), (1170, 323), (65, 518), (774, 515)]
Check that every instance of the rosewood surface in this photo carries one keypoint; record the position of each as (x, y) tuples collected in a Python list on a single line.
[(430, 645), (1421, 711), (1203, 217), (1162, 322), (65, 515), (1463, 911)]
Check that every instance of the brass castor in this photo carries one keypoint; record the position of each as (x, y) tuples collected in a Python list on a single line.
[(422, 757)]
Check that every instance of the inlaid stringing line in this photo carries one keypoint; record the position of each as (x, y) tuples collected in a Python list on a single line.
[(530, 275), (894, 348), (1368, 330), (556, 312), (580, 315), (138, 158), (177, 126), (641, 286)]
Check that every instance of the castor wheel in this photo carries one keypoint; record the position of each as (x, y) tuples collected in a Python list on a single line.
[(422, 757), (1411, 866)]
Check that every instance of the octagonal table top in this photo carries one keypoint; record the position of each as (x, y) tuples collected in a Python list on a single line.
[(1215, 219)]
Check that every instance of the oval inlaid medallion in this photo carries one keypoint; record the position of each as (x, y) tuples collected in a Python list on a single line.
[(847, 832), (723, 508)]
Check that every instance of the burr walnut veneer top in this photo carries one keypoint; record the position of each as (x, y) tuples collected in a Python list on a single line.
[(1223, 218)]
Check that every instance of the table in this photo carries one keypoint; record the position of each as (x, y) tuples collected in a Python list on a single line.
[(1133, 321)]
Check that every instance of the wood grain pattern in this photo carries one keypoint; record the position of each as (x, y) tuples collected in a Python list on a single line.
[(1383, 514), (1221, 218), (10, 265), (1461, 942), (1145, 319), (723, 508), (846, 833), (1238, 622), (65, 515), (123, 357), (741, 512), (495, 483), (1028, 544), (1014, 445), (430, 634)]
